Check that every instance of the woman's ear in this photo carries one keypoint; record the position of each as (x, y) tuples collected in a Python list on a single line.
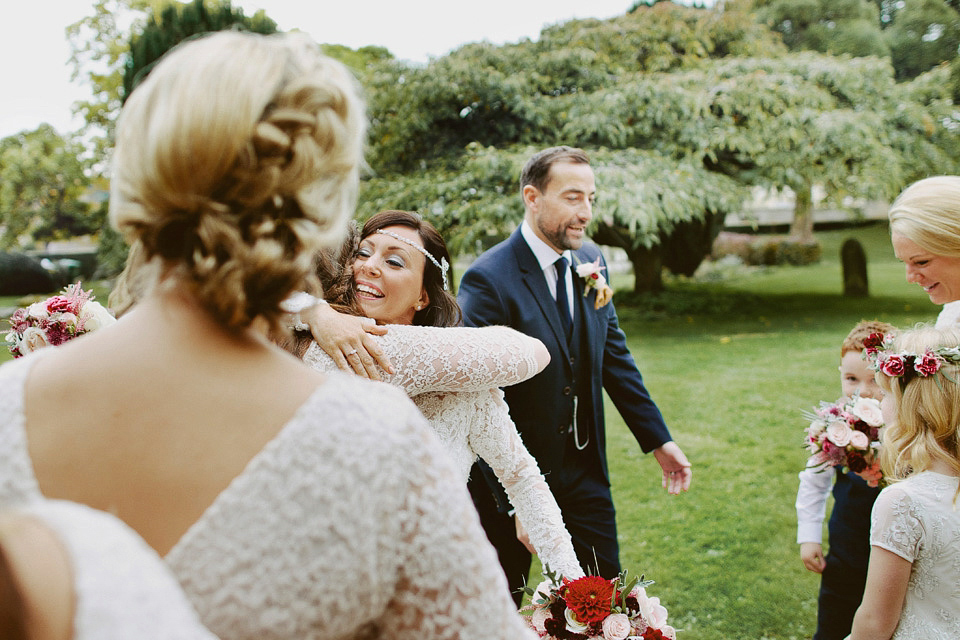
[(424, 299)]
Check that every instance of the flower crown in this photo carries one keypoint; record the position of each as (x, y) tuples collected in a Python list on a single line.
[(443, 265), (878, 351)]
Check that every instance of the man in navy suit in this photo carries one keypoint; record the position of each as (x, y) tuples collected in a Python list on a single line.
[(526, 282)]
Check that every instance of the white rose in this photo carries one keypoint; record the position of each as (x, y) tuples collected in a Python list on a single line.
[(859, 440), (839, 433), (33, 339), (868, 410), (573, 625), (38, 310), (66, 318), (95, 316)]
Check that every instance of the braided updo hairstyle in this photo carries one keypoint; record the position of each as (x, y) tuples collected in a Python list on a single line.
[(236, 161)]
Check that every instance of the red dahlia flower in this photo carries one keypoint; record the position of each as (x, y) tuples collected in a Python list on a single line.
[(589, 598)]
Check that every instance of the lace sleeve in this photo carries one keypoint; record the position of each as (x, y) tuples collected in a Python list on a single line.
[(449, 358), (494, 438), (895, 523), (450, 585)]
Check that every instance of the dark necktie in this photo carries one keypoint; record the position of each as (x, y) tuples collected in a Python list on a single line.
[(563, 303)]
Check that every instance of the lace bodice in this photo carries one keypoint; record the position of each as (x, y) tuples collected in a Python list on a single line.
[(453, 373), (350, 523), (123, 590), (917, 520)]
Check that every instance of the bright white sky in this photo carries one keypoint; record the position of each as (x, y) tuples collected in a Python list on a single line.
[(35, 80)]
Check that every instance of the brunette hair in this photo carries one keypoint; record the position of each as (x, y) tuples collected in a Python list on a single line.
[(442, 310), (236, 161), (536, 172)]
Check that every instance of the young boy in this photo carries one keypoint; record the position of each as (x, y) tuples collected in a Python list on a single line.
[(844, 570)]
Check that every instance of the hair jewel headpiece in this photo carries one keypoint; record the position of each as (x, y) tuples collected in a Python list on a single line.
[(443, 265), (878, 351)]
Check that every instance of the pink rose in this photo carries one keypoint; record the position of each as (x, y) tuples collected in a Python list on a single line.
[(927, 364), (893, 366), (616, 626), (839, 433), (539, 619), (859, 440), (868, 410)]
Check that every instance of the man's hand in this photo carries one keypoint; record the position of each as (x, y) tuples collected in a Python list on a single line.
[(677, 473), (347, 340), (811, 553)]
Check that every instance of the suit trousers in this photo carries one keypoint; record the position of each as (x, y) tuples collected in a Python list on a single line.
[(588, 513)]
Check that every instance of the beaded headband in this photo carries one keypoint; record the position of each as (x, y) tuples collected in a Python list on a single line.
[(878, 351), (443, 265)]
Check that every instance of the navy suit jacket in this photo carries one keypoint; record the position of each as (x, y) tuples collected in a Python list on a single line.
[(506, 286)]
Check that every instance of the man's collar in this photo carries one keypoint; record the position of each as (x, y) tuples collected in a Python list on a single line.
[(544, 253)]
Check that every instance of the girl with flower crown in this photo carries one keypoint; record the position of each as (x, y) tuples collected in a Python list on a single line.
[(914, 565), (396, 272)]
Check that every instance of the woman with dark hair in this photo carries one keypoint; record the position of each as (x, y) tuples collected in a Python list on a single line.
[(398, 274)]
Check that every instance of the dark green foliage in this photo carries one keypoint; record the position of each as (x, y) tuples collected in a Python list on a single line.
[(765, 250), (42, 178), (22, 275), (179, 22)]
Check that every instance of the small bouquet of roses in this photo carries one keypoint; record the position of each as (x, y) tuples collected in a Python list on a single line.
[(846, 433), (595, 608), (55, 320)]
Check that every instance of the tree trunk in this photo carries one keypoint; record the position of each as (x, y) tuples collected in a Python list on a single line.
[(647, 269), (801, 229)]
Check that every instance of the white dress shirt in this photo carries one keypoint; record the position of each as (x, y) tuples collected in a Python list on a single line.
[(547, 257)]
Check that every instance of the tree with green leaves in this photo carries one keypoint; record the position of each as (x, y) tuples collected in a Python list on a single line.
[(682, 111), (176, 22), (42, 181)]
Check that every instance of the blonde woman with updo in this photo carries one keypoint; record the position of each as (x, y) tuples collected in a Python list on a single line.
[(286, 502), (925, 231)]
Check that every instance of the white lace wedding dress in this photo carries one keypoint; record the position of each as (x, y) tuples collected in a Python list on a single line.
[(350, 523), (917, 520), (122, 588), (453, 375)]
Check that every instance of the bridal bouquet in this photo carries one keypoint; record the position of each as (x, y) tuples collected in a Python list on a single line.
[(55, 320), (846, 433), (595, 608)]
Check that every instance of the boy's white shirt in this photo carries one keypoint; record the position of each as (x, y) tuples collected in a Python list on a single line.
[(815, 485)]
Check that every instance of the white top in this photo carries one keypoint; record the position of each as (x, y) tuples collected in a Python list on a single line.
[(453, 373), (949, 316), (547, 257), (815, 485), (918, 520), (123, 589), (351, 522)]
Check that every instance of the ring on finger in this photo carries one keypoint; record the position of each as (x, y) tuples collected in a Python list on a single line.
[(350, 353)]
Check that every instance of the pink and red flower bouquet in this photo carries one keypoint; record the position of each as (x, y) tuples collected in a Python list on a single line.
[(846, 433), (55, 320), (595, 608)]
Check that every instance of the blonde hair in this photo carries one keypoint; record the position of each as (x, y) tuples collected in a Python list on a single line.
[(928, 409), (928, 214), (236, 161)]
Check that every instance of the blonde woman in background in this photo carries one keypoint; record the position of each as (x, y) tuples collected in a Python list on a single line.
[(925, 231), (286, 503)]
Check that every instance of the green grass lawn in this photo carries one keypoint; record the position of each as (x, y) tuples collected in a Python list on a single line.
[(732, 364), (732, 378)]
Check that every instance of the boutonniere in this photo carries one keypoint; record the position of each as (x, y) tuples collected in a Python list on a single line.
[(593, 279)]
